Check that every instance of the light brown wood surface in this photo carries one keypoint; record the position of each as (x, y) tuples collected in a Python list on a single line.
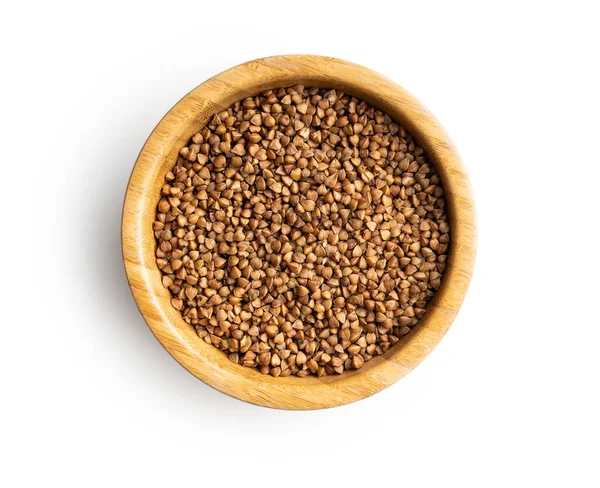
[(158, 156)]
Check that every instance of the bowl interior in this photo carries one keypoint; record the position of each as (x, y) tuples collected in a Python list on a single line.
[(159, 156)]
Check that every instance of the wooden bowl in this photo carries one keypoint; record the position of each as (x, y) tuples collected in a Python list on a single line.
[(159, 155)]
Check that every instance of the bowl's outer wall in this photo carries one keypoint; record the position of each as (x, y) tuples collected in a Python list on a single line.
[(159, 155)]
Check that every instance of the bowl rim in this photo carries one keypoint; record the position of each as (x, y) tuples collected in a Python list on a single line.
[(159, 154)]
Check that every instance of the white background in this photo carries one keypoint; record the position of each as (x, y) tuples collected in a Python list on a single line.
[(509, 397)]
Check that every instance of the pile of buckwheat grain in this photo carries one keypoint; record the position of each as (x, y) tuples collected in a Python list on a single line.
[(301, 232)]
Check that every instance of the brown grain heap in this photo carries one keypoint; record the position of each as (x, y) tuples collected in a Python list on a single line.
[(302, 232)]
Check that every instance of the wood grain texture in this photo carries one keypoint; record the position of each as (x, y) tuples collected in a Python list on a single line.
[(159, 155)]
